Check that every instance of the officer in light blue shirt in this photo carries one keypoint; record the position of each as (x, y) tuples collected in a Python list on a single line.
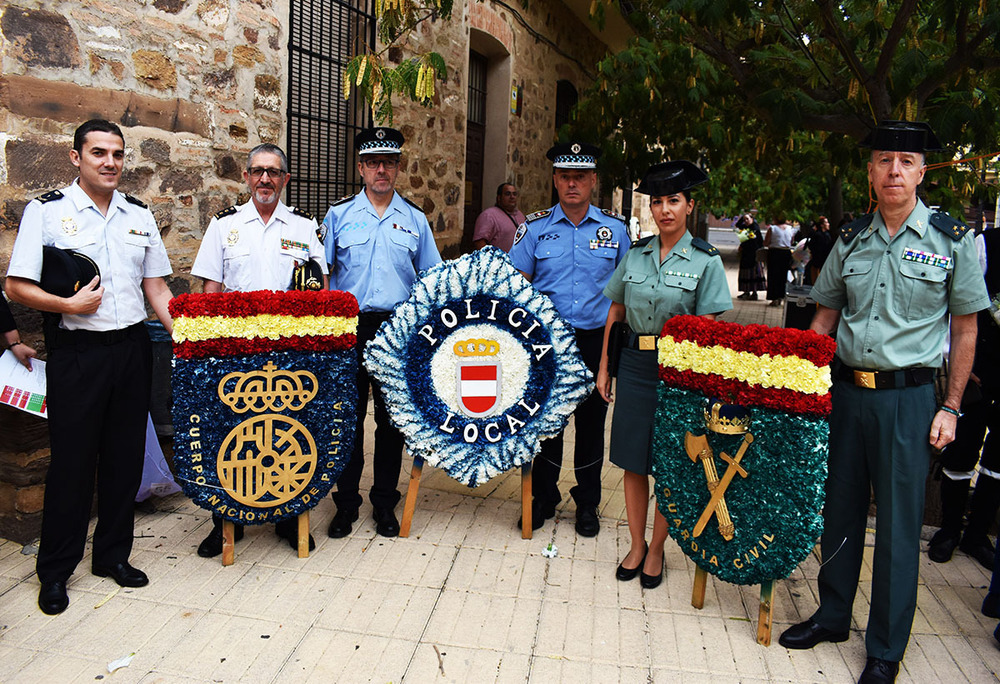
[(377, 242), (569, 252)]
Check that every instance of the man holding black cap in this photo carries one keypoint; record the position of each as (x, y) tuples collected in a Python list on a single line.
[(376, 243), (569, 252), (100, 359), (888, 288), (260, 245)]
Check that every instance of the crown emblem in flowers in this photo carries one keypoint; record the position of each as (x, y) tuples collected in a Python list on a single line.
[(477, 347), (268, 389)]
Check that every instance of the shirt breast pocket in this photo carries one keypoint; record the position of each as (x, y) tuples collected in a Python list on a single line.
[(601, 263), (353, 247), (920, 291), (135, 247), (404, 246), (856, 282), (637, 286), (237, 251), (679, 295), (549, 249), (77, 243)]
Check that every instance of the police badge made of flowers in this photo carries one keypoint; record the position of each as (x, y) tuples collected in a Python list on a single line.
[(477, 366), (264, 396), (740, 444)]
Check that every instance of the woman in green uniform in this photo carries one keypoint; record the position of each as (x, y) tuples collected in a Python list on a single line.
[(661, 276)]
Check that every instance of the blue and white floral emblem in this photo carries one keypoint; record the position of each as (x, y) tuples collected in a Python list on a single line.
[(477, 366)]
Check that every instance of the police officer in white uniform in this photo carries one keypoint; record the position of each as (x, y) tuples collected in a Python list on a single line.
[(100, 359), (377, 242), (258, 246)]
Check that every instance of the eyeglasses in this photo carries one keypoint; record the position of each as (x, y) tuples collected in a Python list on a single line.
[(258, 171), (373, 164)]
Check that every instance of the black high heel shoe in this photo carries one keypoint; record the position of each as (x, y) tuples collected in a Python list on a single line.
[(652, 581), (625, 574)]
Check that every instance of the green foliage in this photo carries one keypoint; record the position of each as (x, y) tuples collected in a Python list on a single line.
[(414, 78), (773, 96)]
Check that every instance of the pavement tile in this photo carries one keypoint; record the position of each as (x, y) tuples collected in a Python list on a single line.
[(378, 608), (545, 669), (56, 667), (330, 655), (437, 663), (472, 620)]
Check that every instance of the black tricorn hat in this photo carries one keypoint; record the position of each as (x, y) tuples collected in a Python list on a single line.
[(64, 272), (307, 276), (670, 178), (902, 136), (379, 140)]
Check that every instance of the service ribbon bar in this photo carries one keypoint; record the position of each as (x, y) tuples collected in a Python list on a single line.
[(779, 368), (239, 323)]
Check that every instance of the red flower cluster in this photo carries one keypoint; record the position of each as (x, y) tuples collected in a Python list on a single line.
[(239, 346), (745, 394), (274, 302), (756, 339)]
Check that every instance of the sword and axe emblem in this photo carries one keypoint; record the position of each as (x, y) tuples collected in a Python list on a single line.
[(698, 449)]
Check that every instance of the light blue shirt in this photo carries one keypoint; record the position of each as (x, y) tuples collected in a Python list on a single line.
[(377, 259), (572, 264)]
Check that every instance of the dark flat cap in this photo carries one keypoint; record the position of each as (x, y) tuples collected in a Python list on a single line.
[(670, 178), (379, 140), (64, 272), (902, 136), (574, 155)]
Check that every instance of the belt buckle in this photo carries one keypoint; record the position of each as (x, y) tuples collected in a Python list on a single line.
[(647, 342), (864, 379)]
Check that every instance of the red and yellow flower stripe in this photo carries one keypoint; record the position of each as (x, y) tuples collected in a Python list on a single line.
[(237, 323), (780, 368)]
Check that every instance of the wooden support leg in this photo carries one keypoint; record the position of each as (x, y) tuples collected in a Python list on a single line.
[(526, 522), (304, 535), (411, 496), (766, 609), (228, 552), (698, 591)]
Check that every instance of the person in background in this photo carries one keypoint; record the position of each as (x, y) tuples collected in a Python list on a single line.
[(779, 257), (8, 328), (496, 226), (751, 274), (819, 244)]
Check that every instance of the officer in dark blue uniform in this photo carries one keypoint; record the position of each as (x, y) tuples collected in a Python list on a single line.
[(888, 288), (569, 252)]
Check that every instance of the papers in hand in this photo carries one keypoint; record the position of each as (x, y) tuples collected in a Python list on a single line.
[(21, 388)]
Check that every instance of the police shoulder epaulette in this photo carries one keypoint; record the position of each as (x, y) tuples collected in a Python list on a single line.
[(50, 196), (851, 230), (614, 214), (343, 200), (412, 204), (303, 213), (135, 200), (946, 224), (704, 246), (642, 242), (228, 211), (537, 215)]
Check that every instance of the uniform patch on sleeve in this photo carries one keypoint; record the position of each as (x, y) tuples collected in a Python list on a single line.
[(521, 231)]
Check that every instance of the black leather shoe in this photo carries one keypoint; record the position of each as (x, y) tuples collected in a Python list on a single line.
[(587, 522), (385, 522), (980, 549), (807, 634), (123, 574), (52, 598), (211, 546), (943, 545), (625, 574), (340, 526), (652, 581), (539, 515), (289, 531), (878, 671)]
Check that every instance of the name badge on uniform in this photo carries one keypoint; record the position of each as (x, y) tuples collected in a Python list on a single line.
[(234, 237), (928, 258), (406, 230), (69, 225)]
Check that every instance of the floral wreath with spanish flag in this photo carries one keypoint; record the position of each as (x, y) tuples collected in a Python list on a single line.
[(740, 444)]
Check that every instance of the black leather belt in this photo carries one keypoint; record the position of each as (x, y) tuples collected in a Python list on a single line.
[(373, 318), (592, 332), (69, 338), (906, 377), (641, 341)]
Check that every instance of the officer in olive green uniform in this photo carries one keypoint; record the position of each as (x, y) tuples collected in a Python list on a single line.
[(892, 281)]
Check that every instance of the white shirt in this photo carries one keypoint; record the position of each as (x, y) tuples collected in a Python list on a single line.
[(125, 244), (244, 254)]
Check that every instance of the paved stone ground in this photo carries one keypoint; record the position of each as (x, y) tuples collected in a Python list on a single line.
[(464, 599)]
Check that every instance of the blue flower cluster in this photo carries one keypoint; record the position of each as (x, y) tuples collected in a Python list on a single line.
[(482, 288), (269, 441)]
